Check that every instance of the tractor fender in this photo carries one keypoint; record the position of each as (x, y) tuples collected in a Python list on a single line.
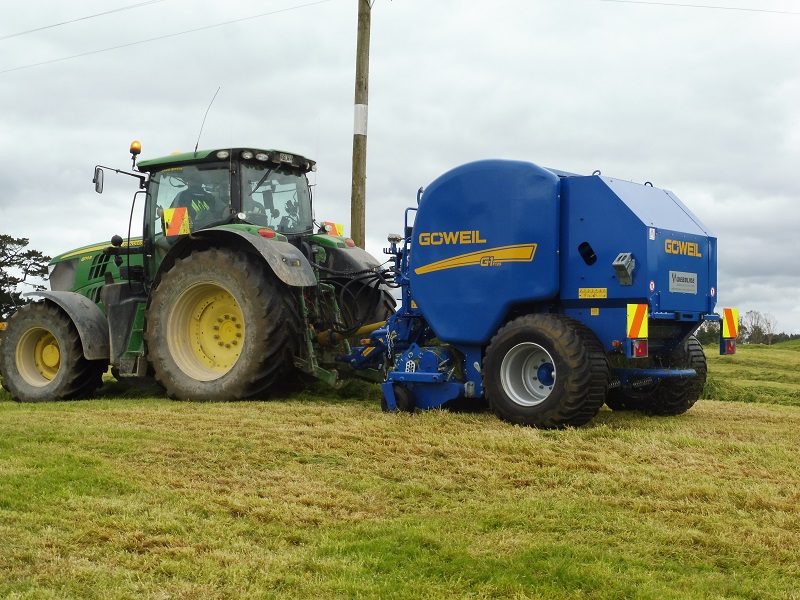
[(349, 259), (89, 320), (285, 260)]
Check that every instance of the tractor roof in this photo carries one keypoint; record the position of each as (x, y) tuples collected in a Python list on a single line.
[(278, 157)]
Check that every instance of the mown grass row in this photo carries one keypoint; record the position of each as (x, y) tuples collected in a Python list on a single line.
[(756, 373)]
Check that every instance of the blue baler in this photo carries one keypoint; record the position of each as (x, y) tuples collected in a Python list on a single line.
[(548, 294)]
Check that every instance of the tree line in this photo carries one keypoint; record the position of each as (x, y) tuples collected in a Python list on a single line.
[(754, 328)]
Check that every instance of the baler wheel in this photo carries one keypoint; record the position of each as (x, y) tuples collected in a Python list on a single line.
[(403, 397), (546, 371), (667, 397), (43, 357), (619, 399), (220, 326)]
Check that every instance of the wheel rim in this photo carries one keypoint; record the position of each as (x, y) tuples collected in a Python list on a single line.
[(38, 357), (528, 374), (205, 331)]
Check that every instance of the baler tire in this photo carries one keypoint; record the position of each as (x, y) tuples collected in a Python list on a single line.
[(403, 398), (220, 326), (42, 358), (546, 371), (620, 400), (676, 396), (666, 397)]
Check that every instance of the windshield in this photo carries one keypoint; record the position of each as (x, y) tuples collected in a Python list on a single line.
[(277, 198)]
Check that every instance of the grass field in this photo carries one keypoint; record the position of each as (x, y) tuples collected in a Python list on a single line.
[(322, 495)]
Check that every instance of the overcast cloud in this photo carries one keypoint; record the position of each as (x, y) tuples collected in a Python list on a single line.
[(703, 102)]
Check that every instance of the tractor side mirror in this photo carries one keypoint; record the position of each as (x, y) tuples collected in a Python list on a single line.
[(98, 180)]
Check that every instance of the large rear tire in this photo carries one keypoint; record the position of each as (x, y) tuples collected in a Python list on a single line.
[(546, 371), (42, 358), (220, 326), (362, 303), (670, 396)]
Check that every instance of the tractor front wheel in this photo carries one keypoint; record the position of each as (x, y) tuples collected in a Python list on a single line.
[(220, 326), (546, 371), (42, 357)]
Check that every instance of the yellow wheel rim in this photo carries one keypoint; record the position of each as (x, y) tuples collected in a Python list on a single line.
[(38, 356), (206, 331)]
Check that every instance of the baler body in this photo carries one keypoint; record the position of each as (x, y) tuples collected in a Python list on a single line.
[(518, 279), (496, 238)]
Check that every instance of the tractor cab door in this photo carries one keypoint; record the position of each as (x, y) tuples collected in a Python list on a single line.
[(184, 199)]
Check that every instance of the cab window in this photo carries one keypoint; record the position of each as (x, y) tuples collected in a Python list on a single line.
[(276, 198)]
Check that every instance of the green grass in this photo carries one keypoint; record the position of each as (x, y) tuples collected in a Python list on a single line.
[(322, 495), (756, 374)]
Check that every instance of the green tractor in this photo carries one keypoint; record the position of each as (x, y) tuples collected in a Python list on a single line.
[(231, 290)]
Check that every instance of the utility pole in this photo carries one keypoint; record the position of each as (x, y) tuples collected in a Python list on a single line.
[(358, 191)]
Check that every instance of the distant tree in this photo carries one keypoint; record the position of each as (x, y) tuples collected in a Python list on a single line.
[(753, 325), (708, 333), (769, 323), (18, 266)]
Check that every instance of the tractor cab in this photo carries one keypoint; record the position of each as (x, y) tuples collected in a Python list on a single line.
[(255, 192), (193, 191)]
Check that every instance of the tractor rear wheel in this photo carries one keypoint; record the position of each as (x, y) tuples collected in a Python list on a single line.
[(42, 357), (361, 303), (546, 371), (220, 326), (670, 396)]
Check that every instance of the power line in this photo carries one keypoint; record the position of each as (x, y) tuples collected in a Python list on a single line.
[(108, 12), (163, 37), (760, 10)]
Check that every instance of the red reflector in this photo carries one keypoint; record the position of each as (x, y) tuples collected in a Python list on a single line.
[(730, 346), (639, 348), (266, 233), (350, 243)]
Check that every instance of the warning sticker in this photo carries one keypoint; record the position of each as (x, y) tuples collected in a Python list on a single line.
[(592, 292), (682, 283), (730, 323), (637, 321)]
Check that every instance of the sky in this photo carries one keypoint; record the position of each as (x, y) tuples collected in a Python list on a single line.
[(702, 100)]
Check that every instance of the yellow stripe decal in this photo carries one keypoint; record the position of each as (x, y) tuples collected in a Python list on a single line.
[(98, 248), (491, 257)]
